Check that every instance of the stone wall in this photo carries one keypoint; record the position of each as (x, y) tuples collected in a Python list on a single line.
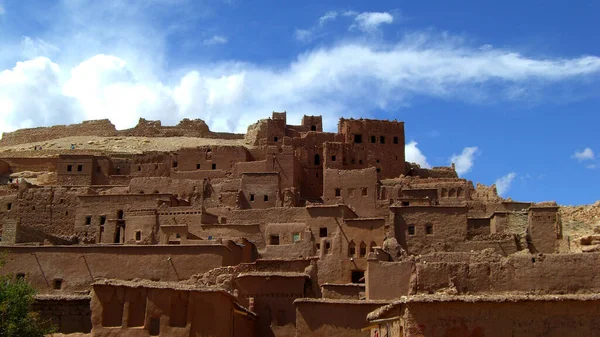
[(70, 314)]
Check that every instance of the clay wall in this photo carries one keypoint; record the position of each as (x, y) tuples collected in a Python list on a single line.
[(388, 280), (355, 188), (261, 190), (102, 128), (478, 226), (544, 229), (383, 142), (249, 166), (506, 318), (69, 314), (8, 210), (320, 318), (31, 164), (209, 158), (128, 311), (183, 188), (288, 240), (142, 227), (274, 295), (252, 232), (343, 291), (284, 161), (75, 170), (78, 266), (312, 123), (422, 229)]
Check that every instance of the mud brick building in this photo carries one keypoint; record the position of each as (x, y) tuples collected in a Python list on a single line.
[(286, 230)]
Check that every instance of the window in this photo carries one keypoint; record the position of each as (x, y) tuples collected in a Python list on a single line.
[(352, 161), (197, 166), (33, 208), (98, 169), (323, 232), (274, 240), (333, 158), (350, 192), (139, 168), (154, 326), (373, 139), (69, 168), (214, 166), (338, 192), (102, 219), (429, 229), (405, 203), (411, 230), (358, 139), (382, 139), (120, 214), (363, 249), (313, 128), (175, 163), (364, 191), (318, 246), (378, 170), (79, 168), (177, 236), (372, 247), (396, 140), (57, 284), (9, 206), (251, 197), (20, 276), (138, 235), (62, 201), (327, 246), (88, 220), (265, 198), (360, 162), (296, 237), (317, 160), (358, 276), (275, 139), (351, 249)]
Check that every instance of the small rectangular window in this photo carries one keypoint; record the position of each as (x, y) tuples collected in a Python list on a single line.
[(175, 163), (429, 229), (373, 139), (396, 140), (358, 139), (214, 166), (382, 139), (338, 192), (360, 162), (102, 219), (251, 197), (323, 232), (275, 139), (274, 240), (88, 220), (9, 206), (296, 237), (405, 203), (333, 158), (197, 166), (364, 191), (265, 198), (20, 276), (327, 246), (79, 168), (57, 284), (138, 235), (411, 230), (378, 170), (69, 168)]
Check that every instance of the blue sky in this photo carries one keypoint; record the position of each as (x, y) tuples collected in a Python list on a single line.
[(507, 90)]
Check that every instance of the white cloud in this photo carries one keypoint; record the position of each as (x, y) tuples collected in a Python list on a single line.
[(329, 16), (33, 48), (586, 154), (464, 161), (303, 35), (217, 39), (414, 155), (503, 183), (370, 21)]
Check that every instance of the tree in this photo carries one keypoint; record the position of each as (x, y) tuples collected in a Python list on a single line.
[(16, 317)]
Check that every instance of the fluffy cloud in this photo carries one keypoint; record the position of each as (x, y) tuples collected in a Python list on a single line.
[(586, 154), (217, 39), (329, 16), (464, 161), (414, 155), (503, 183), (72, 80), (370, 21)]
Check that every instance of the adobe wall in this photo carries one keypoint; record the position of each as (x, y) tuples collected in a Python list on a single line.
[(343, 291), (545, 229), (78, 266), (324, 318), (389, 280), (355, 188), (102, 128), (499, 319), (31, 164), (261, 190), (70, 314)]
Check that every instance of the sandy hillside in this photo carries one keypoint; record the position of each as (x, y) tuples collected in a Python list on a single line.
[(113, 145)]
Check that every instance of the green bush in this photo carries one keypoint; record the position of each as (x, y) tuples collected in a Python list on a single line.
[(16, 317)]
